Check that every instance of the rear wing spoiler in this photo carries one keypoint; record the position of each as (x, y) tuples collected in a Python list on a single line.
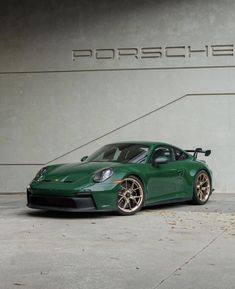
[(199, 150)]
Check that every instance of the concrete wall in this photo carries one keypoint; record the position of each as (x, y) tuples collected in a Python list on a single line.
[(75, 75)]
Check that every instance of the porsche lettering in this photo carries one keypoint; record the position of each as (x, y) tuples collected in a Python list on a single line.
[(154, 52)]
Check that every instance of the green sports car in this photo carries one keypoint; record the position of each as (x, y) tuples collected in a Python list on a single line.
[(123, 177)]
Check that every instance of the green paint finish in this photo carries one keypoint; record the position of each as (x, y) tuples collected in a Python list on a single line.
[(165, 182)]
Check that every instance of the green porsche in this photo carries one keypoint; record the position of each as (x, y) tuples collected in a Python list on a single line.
[(123, 177)]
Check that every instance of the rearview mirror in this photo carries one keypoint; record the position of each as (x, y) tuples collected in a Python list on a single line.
[(84, 158), (160, 161)]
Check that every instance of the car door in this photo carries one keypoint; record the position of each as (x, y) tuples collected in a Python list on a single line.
[(164, 180)]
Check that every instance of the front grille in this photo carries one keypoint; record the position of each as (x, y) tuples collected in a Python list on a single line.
[(49, 181), (53, 202), (83, 202)]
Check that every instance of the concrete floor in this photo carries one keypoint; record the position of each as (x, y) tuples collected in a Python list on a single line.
[(166, 247)]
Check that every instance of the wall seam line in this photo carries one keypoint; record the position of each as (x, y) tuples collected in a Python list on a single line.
[(117, 128), (115, 69)]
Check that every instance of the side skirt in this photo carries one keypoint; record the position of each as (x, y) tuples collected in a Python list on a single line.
[(172, 201)]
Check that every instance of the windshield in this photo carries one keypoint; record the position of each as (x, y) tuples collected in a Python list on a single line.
[(121, 152)]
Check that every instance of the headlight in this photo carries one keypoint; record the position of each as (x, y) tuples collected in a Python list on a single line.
[(103, 175), (40, 174)]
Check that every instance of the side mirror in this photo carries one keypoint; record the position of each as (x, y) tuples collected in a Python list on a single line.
[(84, 158), (160, 161)]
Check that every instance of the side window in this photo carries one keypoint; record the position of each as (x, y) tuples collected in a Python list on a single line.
[(163, 151), (180, 155)]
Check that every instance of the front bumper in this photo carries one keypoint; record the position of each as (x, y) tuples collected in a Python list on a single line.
[(82, 202), (69, 204)]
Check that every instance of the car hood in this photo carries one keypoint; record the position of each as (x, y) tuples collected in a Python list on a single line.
[(74, 171)]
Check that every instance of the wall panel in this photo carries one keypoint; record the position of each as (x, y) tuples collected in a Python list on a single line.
[(75, 75)]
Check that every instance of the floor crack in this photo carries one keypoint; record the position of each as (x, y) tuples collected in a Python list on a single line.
[(189, 260)]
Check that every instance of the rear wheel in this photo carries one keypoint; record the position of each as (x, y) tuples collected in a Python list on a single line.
[(130, 196), (202, 188)]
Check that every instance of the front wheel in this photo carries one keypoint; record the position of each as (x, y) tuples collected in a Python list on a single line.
[(202, 188), (130, 196)]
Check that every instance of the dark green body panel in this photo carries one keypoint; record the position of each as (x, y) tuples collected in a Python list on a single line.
[(163, 183)]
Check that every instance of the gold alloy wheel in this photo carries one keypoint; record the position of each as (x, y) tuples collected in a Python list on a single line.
[(131, 195), (203, 186)]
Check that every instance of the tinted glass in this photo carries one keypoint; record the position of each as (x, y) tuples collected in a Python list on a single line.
[(121, 152), (163, 152), (180, 155)]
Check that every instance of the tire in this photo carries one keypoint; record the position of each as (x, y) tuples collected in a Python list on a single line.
[(201, 188), (130, 196)]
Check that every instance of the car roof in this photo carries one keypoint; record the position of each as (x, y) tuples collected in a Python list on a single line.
[(151, 143)]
